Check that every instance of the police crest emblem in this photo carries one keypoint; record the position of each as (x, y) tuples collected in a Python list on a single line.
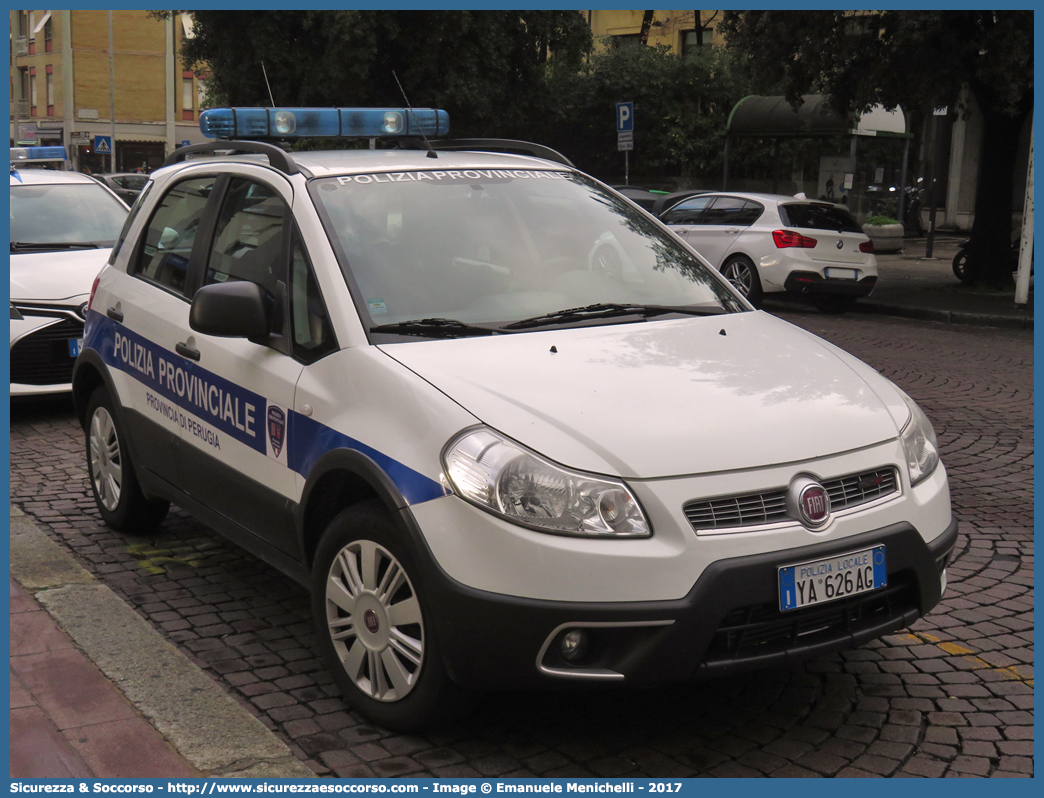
[(276, 429)]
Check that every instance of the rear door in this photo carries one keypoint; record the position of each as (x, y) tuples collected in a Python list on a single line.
[(145, 318), (720, 225), (837, 234)]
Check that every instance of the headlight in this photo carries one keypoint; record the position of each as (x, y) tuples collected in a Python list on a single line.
[(504, 478), (919, 443)]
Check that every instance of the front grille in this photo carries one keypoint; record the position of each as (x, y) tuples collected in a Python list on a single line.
[(42, 357), (757, 509), (856, 489), (750, 509), (762, 629)]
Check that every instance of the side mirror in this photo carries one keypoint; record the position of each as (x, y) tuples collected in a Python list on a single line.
[(230, 310)]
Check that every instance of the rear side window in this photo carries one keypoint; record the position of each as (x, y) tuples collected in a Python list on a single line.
[(732, 210), (818, 217), (164, 256)]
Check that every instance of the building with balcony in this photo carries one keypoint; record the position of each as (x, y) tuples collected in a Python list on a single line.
[(677, 30), (60, 85)]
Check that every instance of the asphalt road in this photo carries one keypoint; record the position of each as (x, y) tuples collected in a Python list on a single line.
[(952, 696)]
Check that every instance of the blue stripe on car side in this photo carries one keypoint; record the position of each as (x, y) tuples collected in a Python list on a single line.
[(307, 439), (311, 440)]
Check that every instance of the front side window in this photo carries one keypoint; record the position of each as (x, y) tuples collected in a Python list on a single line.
[(687, 211), (310, 323), (497, 246), (64, 216), (164, 257), (248, 238)]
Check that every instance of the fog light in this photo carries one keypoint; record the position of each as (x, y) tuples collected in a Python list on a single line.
[(573, 645)]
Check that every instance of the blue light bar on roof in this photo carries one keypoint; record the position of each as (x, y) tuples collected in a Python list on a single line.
[(38, 154), (271, 123)]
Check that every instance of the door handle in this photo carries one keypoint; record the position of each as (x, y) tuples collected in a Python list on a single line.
[(681, 230), (186, 351), (114, 314)]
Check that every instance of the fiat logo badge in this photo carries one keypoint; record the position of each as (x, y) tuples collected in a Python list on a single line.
[(370, 619), (808, 502)]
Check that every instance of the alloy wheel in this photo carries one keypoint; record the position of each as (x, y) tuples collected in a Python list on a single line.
[(106, 459), (374, 620), (739, 275)]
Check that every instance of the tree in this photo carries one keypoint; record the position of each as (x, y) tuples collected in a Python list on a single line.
[(680, 108), (489, 69), (920, 60)]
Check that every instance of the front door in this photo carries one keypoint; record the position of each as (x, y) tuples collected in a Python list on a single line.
[(235, 442)]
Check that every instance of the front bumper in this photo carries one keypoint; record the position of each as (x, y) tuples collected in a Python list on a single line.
[(814, 283), (728, 622), (41, 361)]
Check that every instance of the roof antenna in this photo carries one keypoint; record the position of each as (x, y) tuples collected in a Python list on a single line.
[(431, 150), (264, 72)]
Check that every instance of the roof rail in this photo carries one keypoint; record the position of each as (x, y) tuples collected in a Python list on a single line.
[(491, 145), (279, 158)]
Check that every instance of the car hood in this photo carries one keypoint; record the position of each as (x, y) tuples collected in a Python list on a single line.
[(54, 276), (666, 397)]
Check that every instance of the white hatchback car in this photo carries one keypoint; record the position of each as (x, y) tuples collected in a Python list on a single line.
[(506, 428), (62, 227), (766, 243)]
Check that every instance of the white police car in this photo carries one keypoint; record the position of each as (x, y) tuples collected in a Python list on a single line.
[(508, 428), (62, 225)]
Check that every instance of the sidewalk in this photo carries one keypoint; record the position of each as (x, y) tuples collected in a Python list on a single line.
[(97, 692), (911, 286)]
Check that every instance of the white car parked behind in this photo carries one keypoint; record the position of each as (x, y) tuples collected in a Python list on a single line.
[(764, 243), (63, 225)]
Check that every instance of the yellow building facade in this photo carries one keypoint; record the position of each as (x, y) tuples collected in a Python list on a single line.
[(677, 30), (60, 85)]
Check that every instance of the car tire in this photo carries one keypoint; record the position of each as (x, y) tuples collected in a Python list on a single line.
[(110, 470), (960, 265), (375, 626), (741, 272)]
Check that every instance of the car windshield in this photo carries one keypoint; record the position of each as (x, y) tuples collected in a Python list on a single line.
[(495, 246), (61, 214)]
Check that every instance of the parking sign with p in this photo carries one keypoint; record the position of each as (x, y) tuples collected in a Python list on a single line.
[(624, 117)]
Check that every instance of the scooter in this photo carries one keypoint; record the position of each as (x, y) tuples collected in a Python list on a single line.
[(960, 260)]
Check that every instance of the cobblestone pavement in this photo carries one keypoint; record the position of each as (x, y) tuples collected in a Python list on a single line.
[(952, 696)]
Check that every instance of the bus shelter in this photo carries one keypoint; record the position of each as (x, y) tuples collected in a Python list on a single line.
[(775, 118)]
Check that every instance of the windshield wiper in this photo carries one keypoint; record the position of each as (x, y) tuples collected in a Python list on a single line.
[(607, 310), (18, 246), (434, 328)]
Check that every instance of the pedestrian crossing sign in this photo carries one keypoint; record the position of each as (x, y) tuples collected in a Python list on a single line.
[(103, 145)]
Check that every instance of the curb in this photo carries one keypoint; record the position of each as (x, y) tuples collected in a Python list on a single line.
[(946, 316), (208, 727)]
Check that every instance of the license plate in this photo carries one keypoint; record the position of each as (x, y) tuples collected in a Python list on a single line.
[(75, 345), (819, 581), (841, 274)]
